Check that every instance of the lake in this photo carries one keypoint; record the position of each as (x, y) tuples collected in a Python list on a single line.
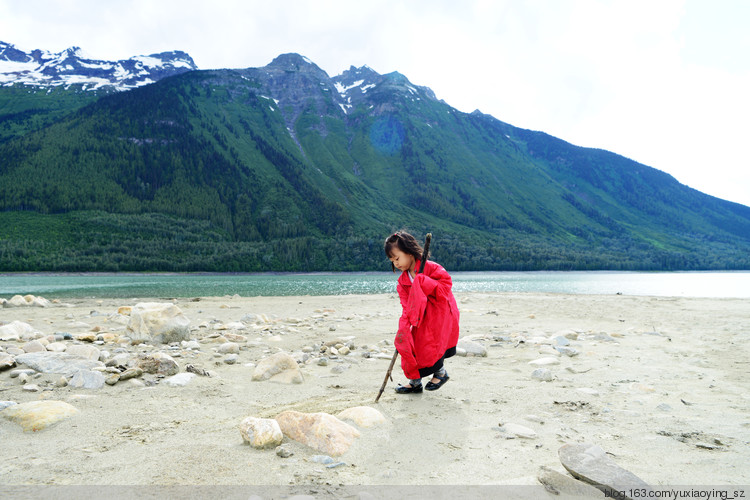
[(133, 285)]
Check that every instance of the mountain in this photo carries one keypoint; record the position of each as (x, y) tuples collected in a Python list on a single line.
[(72, 67), (283, 168)]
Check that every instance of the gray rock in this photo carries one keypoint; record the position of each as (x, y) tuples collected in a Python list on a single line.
[(560, 484), (20, 371), (543, 374), (31, 388), (87, 379), (33, 346), (283, 451), (591, 464), (568, 351), (471, 347), (231, 359), (56, 362)]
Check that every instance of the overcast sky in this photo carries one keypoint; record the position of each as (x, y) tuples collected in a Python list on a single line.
[(663, 82)]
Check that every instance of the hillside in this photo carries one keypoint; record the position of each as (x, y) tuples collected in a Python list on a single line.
[(283, 168)]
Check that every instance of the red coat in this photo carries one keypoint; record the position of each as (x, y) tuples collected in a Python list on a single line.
[(429, 323)]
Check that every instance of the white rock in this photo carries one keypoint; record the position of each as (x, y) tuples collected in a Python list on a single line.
[(229, 348), (87, 379), (158, 322), (471, 347), (17, 330), (545, 361), (261, 432), (33, 346), (588, 390), (179, 380), (517, 430)]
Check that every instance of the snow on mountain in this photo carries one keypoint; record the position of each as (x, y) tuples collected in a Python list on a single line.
[(73, 66)]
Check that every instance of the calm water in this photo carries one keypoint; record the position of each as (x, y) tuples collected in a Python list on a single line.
[(681, 284)]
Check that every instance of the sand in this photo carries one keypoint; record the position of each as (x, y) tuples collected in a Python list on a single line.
[(661, 384)]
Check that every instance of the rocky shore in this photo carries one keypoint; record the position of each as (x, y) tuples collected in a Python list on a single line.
[(281, 391)]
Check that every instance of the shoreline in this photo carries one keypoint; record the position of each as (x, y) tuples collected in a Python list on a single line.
[(657, 382)]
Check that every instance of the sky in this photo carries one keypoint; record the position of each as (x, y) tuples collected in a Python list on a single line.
[(663, 82)]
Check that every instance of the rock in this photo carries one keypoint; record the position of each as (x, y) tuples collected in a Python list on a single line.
[(516, 430), (471, 347), (280, 367), (588, 390), (6, 404), (33, 346), (560, 484), (6, 361), (56, 362), (261, 432), (568, 351), (545, 361), (86, 337), (22, 371), (229, 348), (112, 379), (37, 415), (363, 416), (191, 344), (26, 301), (231, 359), (125, 310), (319, 431), (31, 388), (57, 347), (158, 323), (282, 451), (344, 351), (131, 373), (17, 330), (591, 464), (160, 363), (87, 379), (179, 380), (543, 374), (84, 351), (561, 341)]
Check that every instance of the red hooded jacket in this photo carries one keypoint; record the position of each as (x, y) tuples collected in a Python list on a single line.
[(428, 326)]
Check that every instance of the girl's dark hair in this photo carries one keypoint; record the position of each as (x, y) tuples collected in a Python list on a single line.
[(404, 242)]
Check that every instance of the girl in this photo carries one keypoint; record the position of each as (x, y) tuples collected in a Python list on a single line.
[(428, 327)]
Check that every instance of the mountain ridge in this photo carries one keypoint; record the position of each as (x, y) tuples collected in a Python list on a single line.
[(73, 67), (284, 168)]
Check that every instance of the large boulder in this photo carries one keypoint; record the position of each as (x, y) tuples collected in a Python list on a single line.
[(157, 322), (320, 431)]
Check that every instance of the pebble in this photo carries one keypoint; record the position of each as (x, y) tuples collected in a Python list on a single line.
[(516, 430), (543, 374), (545, 361), (31, 388), (283, 452), (231, 359)]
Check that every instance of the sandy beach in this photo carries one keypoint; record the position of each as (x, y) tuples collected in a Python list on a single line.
[(660, 384)]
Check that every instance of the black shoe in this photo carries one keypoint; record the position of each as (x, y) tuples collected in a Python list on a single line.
[(434, 387), (409, 389)]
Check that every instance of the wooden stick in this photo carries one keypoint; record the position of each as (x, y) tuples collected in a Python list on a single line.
[(427, 240)]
